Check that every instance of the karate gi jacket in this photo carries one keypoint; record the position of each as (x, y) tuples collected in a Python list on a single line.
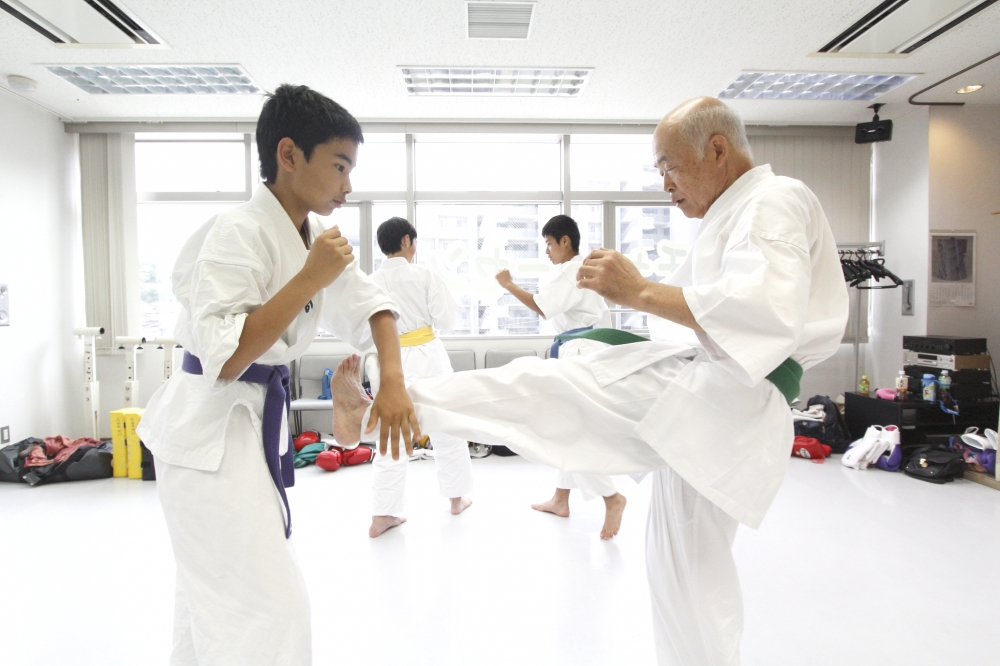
[(568, 307), (763, 280), (422, 299), (231, 266)]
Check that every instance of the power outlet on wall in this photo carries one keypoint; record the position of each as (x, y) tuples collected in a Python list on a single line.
[(5, 435)]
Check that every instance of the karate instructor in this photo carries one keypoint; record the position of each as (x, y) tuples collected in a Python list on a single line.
[(763, 291)]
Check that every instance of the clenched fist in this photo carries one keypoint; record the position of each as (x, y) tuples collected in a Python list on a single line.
[(611, 275), (329, 255)]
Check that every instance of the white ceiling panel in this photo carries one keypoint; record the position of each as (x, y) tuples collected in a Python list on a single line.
[(647, 56)]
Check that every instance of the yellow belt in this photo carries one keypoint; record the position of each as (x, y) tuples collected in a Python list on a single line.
[(421, 336)]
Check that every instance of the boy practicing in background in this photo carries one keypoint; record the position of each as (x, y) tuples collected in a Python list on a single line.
[(571, 310), (254, 284), (424, 303)]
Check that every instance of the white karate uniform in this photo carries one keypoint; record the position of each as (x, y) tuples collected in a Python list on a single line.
[(763, 280), (567, 307), (240, 596), (422, 299)]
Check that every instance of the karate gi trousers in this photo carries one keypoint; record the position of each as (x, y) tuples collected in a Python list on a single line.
[(451, 454), (241, 599), (590, 485), (694, 587)]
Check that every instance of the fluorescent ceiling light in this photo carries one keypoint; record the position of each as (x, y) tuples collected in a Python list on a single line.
[(158, 79), (494, 82), (82, 23), (793, 85), (968, 89)]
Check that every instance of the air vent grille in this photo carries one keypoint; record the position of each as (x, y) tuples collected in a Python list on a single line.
[(499, 20), (82, 22)]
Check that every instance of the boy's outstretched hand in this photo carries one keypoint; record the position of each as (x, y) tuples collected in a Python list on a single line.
[(393, 412), (329, 255)]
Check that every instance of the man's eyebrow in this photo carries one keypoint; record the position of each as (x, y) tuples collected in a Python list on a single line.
[(345, 158), (660, 160)]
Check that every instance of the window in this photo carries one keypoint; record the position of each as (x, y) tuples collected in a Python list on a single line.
[(468, 244), (613, 163), (478, 201), (492, 163)]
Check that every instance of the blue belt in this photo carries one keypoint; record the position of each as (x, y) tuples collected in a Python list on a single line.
[(276, 403), (558, 342)]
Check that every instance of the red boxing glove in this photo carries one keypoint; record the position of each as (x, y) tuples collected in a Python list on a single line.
[(810, 448), (305, 439), (358, 456), (329, 460)]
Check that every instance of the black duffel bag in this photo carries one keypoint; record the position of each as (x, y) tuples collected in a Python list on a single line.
[(831, 431), (934, 463), (87, 462)]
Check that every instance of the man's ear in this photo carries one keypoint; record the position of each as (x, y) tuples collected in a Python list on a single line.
[(405, 241), (286, 154), (719, 146)]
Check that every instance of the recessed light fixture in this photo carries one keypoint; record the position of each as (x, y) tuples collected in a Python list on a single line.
[(158, 79), (967, 89), (813, 86), (22, 83), (494, 82)]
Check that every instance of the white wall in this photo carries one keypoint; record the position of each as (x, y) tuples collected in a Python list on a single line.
[(901, 198), (964, 191), (41, 363)]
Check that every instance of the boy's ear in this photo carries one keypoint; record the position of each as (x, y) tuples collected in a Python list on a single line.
[(286, 155), (565, 242)]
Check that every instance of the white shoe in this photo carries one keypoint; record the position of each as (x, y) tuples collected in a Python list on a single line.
[(886, 441), (984, 442), (856, 456)]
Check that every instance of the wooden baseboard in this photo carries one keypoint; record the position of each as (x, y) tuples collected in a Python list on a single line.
[(980, 477)]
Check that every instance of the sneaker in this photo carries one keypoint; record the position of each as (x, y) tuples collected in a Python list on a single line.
[(856, 456)]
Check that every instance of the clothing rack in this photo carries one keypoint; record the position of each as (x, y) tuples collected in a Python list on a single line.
[(875, 249)]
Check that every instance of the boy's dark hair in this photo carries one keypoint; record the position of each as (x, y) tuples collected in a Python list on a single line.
[(307, 118), (390, 234), (563, 225)]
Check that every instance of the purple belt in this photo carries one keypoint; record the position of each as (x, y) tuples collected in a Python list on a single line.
[(276, 403)]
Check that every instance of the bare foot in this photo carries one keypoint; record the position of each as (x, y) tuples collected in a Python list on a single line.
[(459, 504), (382, 523), (614, 507), (349, 403), (559, 504)]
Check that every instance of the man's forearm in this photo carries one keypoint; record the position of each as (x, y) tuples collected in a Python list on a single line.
[(525, 297), (666, 301)]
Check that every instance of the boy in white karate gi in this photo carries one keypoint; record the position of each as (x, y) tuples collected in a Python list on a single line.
[(425, 304), (763, 290), (255, 283), (570, 310)]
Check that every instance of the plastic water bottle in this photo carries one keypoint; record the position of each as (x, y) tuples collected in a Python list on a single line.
[(944, 381), (930, 388), (864, 386), (902, 385)]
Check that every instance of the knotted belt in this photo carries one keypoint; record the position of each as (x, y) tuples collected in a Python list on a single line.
[(276, 404), (420, 336), (559, 340), (786, 377)]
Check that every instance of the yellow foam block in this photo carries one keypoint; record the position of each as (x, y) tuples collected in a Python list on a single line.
[(119, 450), (132, 417)]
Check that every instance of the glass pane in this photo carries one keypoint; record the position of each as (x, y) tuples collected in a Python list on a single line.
[(163, 228), (590, 219), (348, 219), (381, 164), (613, 162), (656, 239), (469, 243), (190, 166), (470, 163), (381, 213)]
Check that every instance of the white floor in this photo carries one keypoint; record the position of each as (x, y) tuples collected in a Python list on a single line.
[(849, 568)]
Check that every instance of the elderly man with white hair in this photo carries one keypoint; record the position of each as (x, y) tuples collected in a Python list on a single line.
[(762, 290)]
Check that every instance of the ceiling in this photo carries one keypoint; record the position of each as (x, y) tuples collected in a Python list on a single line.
[(647, 55)]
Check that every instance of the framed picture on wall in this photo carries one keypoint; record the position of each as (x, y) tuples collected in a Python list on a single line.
[(953, 268)]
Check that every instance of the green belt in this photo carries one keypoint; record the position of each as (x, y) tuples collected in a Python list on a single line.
[(786, 377)]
